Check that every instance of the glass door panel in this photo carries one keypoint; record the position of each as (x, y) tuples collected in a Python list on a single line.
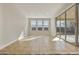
[(58, 26), (63, 26), (70, 25), (78, 26)]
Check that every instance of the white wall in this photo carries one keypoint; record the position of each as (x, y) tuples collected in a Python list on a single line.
[(26, 30), (1, 23), (53, 28), (13, 24)]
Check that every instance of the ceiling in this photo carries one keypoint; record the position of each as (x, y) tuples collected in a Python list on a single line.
[(39, 10)]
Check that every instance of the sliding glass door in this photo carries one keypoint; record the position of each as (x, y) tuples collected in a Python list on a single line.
[(58, 26), (67, 26), (77, 41), (62, 25), (70, 25)]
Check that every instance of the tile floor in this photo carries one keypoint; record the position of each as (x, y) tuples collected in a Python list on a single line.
[(40, 45)]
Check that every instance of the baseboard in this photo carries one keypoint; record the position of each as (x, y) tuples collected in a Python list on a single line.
[(7, 44)]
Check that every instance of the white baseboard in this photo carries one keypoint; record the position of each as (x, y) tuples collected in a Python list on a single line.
[(7, 44)]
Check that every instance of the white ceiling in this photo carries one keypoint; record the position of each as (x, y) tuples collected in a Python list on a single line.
[(30, 10)]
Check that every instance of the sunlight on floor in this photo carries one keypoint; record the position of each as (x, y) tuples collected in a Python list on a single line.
[(31, 38), (57, 39)]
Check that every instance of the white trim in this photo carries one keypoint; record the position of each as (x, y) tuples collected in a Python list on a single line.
[(7, 44)]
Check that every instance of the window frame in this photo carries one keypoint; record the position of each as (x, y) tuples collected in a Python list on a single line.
[(38, 26)]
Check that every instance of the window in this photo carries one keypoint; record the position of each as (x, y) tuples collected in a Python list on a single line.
[(45, 24), (39, 24), (33, 24), (70, 25), (40, 28), (33, 28), (66, 25), (58, 27), (46, 28)]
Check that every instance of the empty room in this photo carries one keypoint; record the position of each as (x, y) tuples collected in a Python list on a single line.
[(39, 28)]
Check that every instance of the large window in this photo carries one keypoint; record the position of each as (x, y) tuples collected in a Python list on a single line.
[(45, 24), (78, 28), (67, 25), (62, 25), (70, 25), (40, 25), (58, 26), (33, 24)]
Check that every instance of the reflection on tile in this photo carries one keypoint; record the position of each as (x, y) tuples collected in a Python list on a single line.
[(41, 45)]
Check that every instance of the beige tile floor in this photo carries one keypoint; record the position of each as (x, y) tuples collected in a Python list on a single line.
[(42, 45)]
